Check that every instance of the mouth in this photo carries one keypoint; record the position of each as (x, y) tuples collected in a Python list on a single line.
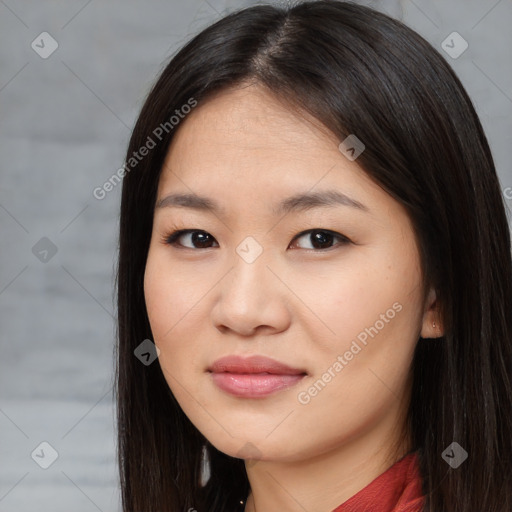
[(253, 377)]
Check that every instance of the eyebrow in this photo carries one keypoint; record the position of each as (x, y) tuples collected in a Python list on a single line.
[(296, 203)]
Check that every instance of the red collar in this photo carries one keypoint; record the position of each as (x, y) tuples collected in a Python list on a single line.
[(398, 489)]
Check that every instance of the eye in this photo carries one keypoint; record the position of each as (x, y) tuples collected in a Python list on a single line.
[(192, 237), (321, 239)]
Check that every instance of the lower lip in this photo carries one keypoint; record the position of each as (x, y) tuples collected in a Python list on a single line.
[(253, 385)]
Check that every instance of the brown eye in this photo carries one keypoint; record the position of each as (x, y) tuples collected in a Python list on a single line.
[(318, 239), (321, 239), (194, 238)]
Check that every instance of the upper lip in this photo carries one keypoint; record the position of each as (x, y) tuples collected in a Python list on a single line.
[(253, 364)]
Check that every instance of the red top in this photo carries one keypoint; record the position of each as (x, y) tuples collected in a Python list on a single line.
[(398, 489)]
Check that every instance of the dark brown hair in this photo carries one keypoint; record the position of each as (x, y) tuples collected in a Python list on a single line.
[(356, 71)]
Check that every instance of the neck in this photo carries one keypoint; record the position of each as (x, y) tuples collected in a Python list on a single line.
[(320, 483)]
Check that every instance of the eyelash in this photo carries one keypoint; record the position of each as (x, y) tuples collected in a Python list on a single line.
[(172, 238)]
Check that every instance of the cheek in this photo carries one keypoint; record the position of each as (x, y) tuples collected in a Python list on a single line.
[(367, 289), (375, 316), (174, 303), (165, 307), (374, 309), (156, 287), (169, 296)]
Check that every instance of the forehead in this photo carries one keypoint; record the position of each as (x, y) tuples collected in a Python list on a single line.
[(250, 153), (246, 134), (248, 109)]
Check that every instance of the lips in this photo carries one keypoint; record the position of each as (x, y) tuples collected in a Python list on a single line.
[(254, 376), (253, 364)]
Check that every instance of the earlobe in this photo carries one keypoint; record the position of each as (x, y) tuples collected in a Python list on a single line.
[(437, 331), (431, 326)]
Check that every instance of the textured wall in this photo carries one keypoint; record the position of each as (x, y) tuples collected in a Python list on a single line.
[(64, 124)]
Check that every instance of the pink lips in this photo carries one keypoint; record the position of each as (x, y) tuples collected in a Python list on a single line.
[(253, 377)]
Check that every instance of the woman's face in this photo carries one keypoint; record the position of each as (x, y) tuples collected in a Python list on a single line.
[(329, 286)]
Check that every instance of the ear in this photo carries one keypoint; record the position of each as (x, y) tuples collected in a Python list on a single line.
[(431, 325)]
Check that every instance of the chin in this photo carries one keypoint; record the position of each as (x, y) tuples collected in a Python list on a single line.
[(254, 448)]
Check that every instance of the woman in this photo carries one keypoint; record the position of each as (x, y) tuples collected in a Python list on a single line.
[(315, 240)]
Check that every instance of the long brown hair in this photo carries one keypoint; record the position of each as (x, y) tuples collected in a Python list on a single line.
[(357, 71)]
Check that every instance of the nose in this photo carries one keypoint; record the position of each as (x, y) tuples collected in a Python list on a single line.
[(251, 298)]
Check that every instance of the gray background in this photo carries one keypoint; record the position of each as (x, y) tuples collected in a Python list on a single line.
[(64, 125)]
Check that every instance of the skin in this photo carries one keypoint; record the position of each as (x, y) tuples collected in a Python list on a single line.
[(298, 304)]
